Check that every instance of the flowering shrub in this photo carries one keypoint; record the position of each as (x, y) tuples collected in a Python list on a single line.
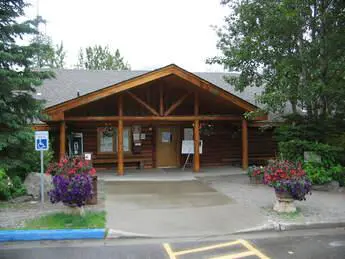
[(72, 181), (288, 177), (71, 166)]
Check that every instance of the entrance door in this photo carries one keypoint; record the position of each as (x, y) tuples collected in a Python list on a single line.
[(167, 148)]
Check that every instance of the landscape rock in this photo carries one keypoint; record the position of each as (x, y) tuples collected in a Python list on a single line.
[(21, 199), (32, 185)]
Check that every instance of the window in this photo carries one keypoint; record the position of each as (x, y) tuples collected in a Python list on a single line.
[(107, 140)]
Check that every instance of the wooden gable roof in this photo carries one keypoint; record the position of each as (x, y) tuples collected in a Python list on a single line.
[(146, 78)]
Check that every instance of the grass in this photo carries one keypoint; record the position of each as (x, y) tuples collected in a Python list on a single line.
[(291, 215), (67, 221), (4, 204)]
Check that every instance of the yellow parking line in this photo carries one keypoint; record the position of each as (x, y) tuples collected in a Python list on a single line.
[(169, 251), (235, 256), (253, 249), (206, 248)]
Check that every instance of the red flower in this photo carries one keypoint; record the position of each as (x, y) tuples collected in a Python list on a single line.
[(92, 171), (80, 164), (71, 171)]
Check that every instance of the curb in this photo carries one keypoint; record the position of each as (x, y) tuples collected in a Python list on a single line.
[(113, 234), (319, 225), (58, 234), (278, 227)]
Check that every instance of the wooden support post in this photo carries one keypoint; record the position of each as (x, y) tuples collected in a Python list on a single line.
[(244, 144), (196, 164), (62, 139), (161, 101), (120, 138)]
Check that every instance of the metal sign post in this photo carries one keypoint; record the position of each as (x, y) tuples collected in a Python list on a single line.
[(42, 144)]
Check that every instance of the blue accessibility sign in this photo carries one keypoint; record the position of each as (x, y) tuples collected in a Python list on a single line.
[(41, 140)]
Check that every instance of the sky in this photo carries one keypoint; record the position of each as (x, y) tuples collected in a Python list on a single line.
[(148, 33)]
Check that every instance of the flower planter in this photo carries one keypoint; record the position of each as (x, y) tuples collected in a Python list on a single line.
[(285, 202), (74, 183), (93, 200)]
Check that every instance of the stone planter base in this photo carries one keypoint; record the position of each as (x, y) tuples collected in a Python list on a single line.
[(93, 200), (284, 204), (75, 210)]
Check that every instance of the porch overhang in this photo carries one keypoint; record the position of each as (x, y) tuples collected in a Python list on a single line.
[(57, 112)]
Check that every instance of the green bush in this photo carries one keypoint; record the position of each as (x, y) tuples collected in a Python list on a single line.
[(10, 188), (320, 174), (317, 173), (338, 174), (5, 185), (18, 188), (293, 150), (26, 159)]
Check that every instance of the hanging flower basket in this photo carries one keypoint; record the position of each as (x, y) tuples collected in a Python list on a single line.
[(108, 131), (206, 129)]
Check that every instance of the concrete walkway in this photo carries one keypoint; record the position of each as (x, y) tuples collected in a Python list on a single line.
[(171, 203), (320, 207), (174, 208)]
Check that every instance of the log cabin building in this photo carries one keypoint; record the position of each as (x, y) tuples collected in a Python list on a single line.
[(146, 119)]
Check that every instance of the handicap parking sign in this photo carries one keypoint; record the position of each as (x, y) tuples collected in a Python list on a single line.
[(41, 140)]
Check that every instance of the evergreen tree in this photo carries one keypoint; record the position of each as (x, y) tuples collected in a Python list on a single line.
[(101, 58), (18, 106)]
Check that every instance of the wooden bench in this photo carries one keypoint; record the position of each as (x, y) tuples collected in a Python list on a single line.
[(252, 159), (141, 161)]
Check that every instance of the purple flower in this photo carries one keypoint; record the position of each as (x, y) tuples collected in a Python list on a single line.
[(72, 190), (297, 188)]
